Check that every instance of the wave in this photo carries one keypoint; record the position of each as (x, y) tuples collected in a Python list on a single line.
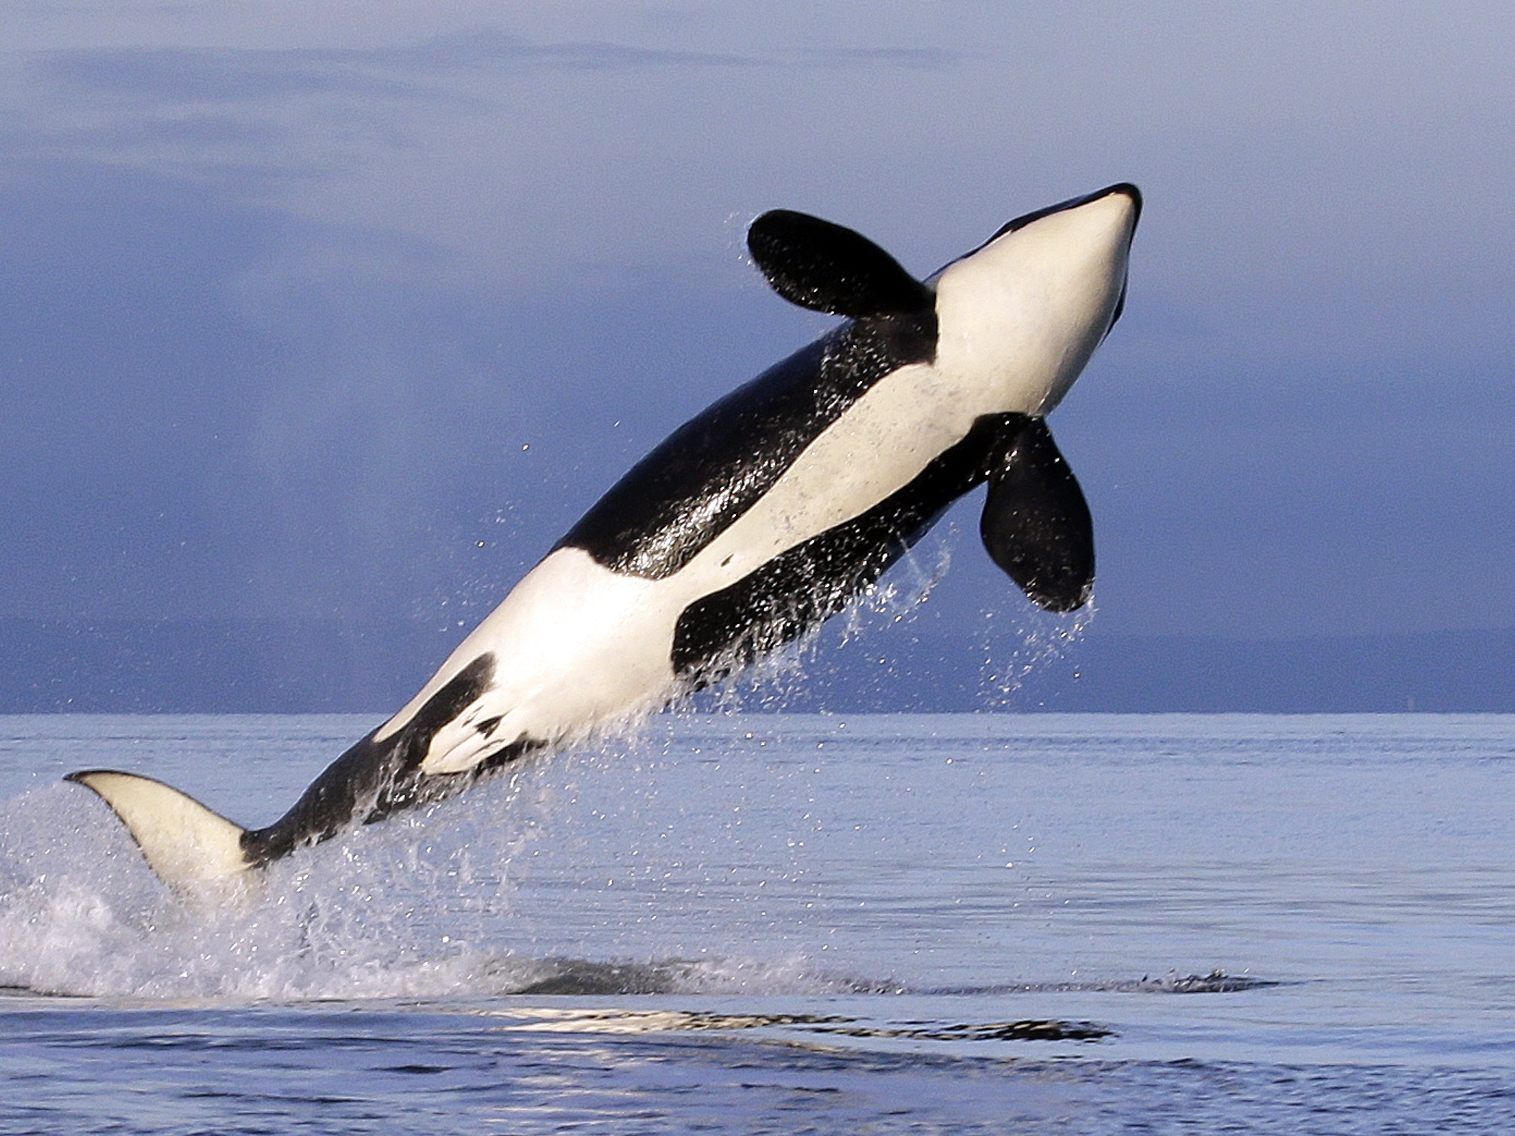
[(404, 910), (538, 1019), (407, 910)]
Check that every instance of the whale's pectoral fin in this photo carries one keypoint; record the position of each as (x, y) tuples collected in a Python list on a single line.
[(191, 848), (1036, 523), (829, 268)]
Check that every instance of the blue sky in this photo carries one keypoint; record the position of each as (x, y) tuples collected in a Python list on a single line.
[(350, 312)]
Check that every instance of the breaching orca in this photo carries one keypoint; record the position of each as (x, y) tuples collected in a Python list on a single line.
[(753, 522)]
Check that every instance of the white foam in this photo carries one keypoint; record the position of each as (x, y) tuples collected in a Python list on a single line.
[(692, 880), (81, 913), (419, 907)]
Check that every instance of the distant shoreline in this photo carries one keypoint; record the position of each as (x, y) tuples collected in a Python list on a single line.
[(333, 666)]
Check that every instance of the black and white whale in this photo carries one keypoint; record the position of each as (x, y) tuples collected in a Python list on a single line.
[(753, 522)]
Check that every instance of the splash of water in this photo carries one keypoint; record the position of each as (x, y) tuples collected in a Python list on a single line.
[(421, 906), (1040, 638), (81, 914)]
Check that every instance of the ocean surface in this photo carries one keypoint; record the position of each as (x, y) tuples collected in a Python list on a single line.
[(763, 923)]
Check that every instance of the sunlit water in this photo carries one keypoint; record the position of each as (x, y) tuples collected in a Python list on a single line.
[(756, 923)]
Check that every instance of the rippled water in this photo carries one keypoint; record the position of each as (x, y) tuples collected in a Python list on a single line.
[(761, 923)]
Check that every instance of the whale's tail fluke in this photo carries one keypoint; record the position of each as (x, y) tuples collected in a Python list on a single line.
[(190, 847)]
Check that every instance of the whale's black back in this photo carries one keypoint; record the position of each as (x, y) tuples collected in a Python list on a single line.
[(705, 475), (813, 581)]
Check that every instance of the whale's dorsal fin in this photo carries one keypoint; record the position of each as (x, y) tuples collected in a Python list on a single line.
[(829, 268), (1036, 523)]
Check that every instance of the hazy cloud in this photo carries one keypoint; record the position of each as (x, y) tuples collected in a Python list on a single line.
[(907, 58), (278, 317), (243, 75)]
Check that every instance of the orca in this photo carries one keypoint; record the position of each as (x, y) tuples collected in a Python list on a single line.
[(752, 523)]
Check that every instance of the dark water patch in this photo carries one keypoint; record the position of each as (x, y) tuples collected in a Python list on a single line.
[(562, 976), (796, 1026), (1216, 982), (569, 977), (1030, 1029), (591, 978), (20, 990)]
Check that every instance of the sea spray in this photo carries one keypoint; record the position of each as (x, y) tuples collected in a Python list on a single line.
[(635, 892)]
